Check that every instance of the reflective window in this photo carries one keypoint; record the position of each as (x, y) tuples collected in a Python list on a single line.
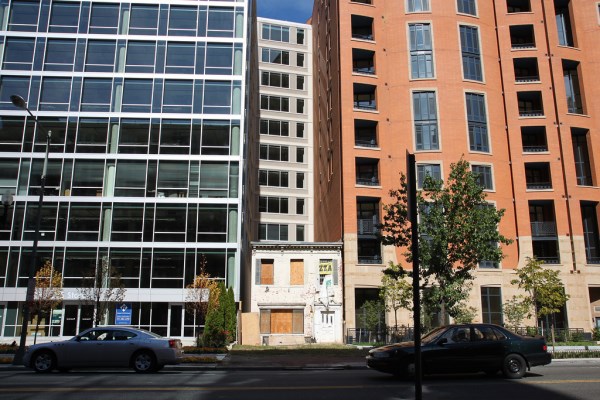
[(214, 179), (217, 97), (426, 124), (104, 18), (300, 60), (127, 224), (18, 54), (276, 79), (169, 225), (100, 56), (64, 17), (140, 57), (273, 232), (424, 170), (275, 56), (273, 178), (180, 58), (137, 95), (172, 179), (175, 136), (471, 56), (483, 175), (417, 5), (84, 222), (143, 20), (466, 7), (421, 51), (274, 127), (274, 103), (219, 58), (273, 152), (11, 133), (134, 135), (24, 16), (91, 135), (88, 178), (55, 94), (9, 171), (10, 85), (60, 55), (276, 32), (177, 96), (96, 94), (130, 180), (220, 22), (215, 137), (183, 21), (477, 122)]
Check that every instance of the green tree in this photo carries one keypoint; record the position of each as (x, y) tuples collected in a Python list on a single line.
[(458, 228), (372, 312), (396, 292), (47, 294), (202, 295), (545, 292), (465, 314), (215, 327), (231, 316), (515, 311)]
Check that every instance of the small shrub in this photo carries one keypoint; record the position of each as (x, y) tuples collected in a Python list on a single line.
[(577, 336), (596, 333)]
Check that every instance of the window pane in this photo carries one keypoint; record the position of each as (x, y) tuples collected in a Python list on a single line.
[(219, 59), (140, 57), (96, 94), (55, 94), (64, 17), (220, 22), (180, 58), (60, 54), (100, 56), (182, 21), (217, 97), (177, 96), (10, 85), (143, 20), (137, 95), (24, 16), (104, 18), (18, 54)]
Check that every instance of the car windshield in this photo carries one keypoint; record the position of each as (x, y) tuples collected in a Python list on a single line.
[(433, 335)]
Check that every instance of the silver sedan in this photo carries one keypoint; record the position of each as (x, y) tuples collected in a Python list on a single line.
[(106, 346)]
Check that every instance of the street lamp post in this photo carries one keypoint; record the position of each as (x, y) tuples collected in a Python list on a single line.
[(19, 102)]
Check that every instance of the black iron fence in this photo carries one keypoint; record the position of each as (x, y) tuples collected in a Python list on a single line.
[(405, 333)]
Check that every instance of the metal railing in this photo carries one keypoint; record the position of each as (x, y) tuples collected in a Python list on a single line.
[(543, 229), (379, 336)]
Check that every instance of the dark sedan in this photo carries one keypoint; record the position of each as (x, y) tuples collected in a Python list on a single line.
[(106, 346), (464, 348)]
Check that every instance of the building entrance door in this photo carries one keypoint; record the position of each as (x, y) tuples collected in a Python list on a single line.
[(324, 326)]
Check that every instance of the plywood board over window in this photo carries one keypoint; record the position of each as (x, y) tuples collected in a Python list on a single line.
[(282, 321), (264, 272), (297, 272)]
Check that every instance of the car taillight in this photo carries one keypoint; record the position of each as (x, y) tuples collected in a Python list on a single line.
[(545, 348), (173, 343)]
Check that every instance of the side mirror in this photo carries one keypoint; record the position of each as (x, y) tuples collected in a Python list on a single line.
[(442, 341)]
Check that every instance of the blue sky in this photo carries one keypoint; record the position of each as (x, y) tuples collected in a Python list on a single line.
[(288, 10)]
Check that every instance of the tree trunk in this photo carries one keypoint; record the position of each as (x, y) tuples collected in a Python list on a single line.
[(37, 327)]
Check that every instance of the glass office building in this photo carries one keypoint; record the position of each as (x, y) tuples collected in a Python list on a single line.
[(145, 102)]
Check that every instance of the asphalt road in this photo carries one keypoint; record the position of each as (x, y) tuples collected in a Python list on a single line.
[(558, 381)]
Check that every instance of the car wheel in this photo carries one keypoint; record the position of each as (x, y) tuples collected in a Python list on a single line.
[(43, 361), (514, 366), (144, 361)]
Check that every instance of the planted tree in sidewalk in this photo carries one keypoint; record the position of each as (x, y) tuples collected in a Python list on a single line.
[(515, 310), (47, 294), (458, 228), (545, 292), (396, 292), (102, 288), (372, 313), (216, 332), (202, 295)]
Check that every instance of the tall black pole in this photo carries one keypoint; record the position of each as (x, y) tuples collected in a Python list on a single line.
[(18, 359), (412, 212)]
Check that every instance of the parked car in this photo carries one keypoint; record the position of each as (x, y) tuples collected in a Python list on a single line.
[(464, 348), (106, 346)]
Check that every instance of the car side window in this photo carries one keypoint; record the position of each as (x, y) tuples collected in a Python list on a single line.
[(499, 334), (91, 335), (122, 335), (485, 333), (458, 335)]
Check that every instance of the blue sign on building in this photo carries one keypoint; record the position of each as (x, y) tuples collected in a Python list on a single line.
[(123, 314)]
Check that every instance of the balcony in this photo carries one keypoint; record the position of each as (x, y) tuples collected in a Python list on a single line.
[(365, 97), (368, 226), (367, 171), (543, 229), (530, 104), (537, 176), (534, 139), (365, 133), (363, 61), (526, 70), (522, 37), (362, 27)]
